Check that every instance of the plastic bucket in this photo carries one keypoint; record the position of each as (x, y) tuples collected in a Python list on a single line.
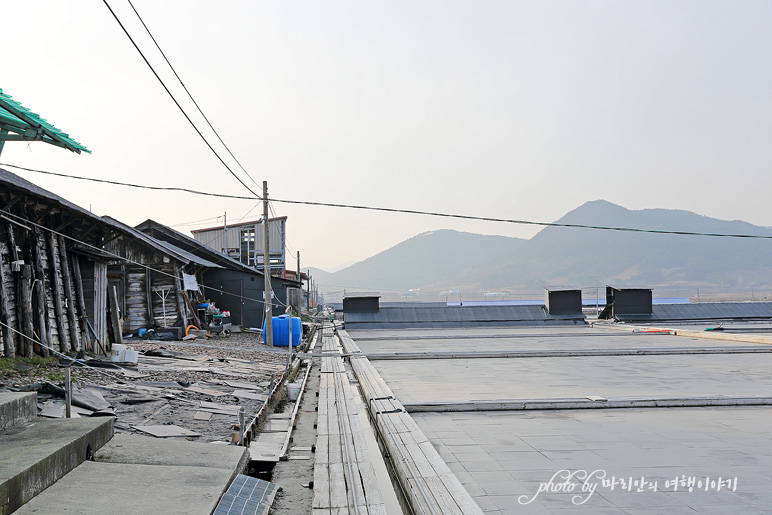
[(130, 355), (293, 390), (117, 352)]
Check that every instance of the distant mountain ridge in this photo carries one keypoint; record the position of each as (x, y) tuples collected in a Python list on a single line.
[(422, 260), (582, 257)]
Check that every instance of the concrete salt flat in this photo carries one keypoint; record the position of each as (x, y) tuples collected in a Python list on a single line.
[(502, 456), (465, 332), (578, 377), (552, 341)]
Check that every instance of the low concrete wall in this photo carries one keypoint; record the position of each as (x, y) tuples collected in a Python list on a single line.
[(17, 408), (35, 458)]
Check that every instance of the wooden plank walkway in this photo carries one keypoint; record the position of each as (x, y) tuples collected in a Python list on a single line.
[(344, 478), (427, 481)]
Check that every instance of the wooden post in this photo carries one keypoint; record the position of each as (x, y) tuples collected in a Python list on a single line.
[(268, 309), (82, 315), (149, 291), (180, 302), (44, 322), (25, 304), (13, 253), (115, 318), (9, 342), (67, 279), (100, 304), (53, 263), (42, 313)]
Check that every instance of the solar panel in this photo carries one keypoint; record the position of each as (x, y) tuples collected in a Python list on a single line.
[(247, 496)]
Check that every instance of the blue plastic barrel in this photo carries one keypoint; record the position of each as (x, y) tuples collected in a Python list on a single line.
[(281, 331)]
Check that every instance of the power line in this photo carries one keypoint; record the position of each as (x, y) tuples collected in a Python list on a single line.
[(411, 211), (139, 186), (175, 100), (188, 92), (196, 222), (121, 258), (60, 354)]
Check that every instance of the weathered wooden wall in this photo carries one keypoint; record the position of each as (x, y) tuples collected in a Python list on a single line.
[(164, 314), (136, 298), (42, 305)]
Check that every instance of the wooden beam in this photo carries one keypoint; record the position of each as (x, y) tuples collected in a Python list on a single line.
[(82, 315), (45, 213), (65, 224), (149, 292), (13, 253), (44, 322), (178, 295), (100, 303), (24, 304), (68, 294), (53, 264), (13, 201), (115, 318), (9, 341), (111, 238)]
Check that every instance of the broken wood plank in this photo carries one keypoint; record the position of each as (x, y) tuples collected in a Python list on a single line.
[(205, 391), (166, 431), (249, 394), (202, 415)]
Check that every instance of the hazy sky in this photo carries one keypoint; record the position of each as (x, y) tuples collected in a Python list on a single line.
[(506, 109)]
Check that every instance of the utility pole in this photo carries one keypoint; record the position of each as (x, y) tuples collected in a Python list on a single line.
[(225, 233), (267, 271), (300, 289)]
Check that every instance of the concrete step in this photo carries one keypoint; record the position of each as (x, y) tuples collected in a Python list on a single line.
[(35, 456), (139, 474), (17, 409)]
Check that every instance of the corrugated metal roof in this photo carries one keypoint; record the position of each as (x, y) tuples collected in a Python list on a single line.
[(449, 316), (704, 311), (161, 246), (20, 120), (196, 247), (14, 181)]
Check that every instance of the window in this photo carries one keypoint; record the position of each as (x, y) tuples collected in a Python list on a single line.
[(248, 246)]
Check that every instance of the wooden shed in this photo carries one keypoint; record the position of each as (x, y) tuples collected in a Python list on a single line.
[(235, 286), (156, 283), (67, 276), (53, 273)]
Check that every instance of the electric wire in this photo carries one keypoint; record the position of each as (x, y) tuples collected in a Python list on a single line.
[(138, 186), (189, 94), (175, 100), (125, 259), (58, 353), (412, 211)]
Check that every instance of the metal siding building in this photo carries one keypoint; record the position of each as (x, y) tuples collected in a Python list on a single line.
[(235, 287), (244, 241)]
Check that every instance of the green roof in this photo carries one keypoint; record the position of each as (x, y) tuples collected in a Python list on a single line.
[(28, 126)]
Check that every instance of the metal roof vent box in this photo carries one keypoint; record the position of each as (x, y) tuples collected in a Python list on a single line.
[(625, 302)]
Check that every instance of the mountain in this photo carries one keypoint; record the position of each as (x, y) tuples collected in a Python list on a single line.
[(560, 255), (575, 256), (426, 259)]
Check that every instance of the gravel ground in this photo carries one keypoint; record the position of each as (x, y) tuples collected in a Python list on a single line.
[(137, 401)]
